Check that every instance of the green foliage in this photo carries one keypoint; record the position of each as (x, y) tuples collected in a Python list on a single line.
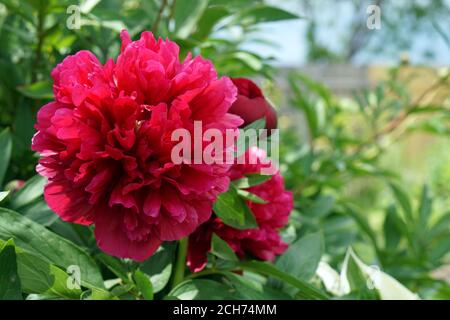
[(5, 146), (37, 36), (49, 246), (335, 162), (144, 284), (10, 287)]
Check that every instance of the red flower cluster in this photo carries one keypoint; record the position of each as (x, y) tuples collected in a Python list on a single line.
[(263, 242), (105, 144), (106, 141)]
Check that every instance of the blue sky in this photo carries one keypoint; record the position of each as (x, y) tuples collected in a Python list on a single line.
[(290, 47)]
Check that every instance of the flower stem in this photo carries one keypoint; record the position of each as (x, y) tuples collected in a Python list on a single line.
[(159, 16), (180, 263), (203, 273)]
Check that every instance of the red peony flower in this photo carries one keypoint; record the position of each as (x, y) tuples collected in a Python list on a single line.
[(105, 144), (263, 242), (251, 104)]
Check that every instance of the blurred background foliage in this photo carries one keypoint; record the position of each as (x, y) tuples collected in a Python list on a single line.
[(345, 158)]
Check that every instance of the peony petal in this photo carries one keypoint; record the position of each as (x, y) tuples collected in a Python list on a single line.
[(152, 204), (112, 238), (69, 202)]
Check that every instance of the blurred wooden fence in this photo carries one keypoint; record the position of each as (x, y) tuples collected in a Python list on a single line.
[(345, 80)]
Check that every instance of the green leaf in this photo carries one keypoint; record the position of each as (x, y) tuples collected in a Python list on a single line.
[(363, 224), (3, 195), (187, 14), (123, 291), (425, 208), (99, 294), (377, 284), (249, 59), (159, 266), (38, 276), (38, 90), (358, 281), (250, 289), (209, 19), (321, 206), (199, 289), (256, 125), (263, 13), (10, 288), (23, 128), (306, 290), (33, 189), (403, 200), (233, 211), (39, 212), (303, 256), (251, 180), (355, 277), (37, 296), (37, 239), (251, 197), (221, 249), (88, 5), (440, 249), (144, 284), (115, 265), (5, 155), (245, 134), (392, 228), (440, 226)]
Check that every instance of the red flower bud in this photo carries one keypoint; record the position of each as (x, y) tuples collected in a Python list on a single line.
[(251, 104)]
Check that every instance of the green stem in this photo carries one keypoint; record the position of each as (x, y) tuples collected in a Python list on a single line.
[(203, 273), (40, 37), (180, 264), (159, 16)]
